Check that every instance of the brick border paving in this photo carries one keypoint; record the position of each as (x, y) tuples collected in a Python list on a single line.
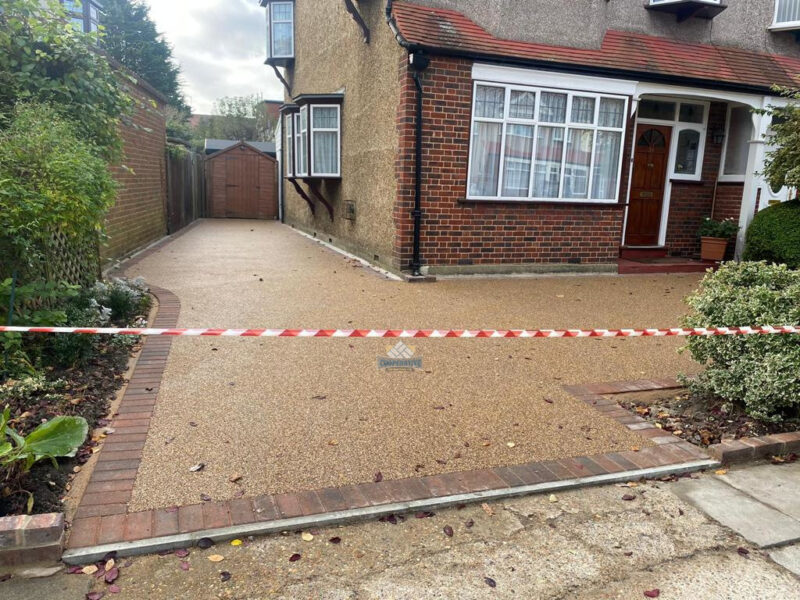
[(104, 520)]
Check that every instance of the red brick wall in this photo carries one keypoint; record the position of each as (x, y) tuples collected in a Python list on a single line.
[(691, 202), (139, 215), (729, 201), (455, 232)]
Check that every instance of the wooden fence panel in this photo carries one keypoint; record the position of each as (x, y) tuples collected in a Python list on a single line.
[(186, 190)]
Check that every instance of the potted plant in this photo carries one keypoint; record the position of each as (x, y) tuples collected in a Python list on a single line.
[(714, 236)]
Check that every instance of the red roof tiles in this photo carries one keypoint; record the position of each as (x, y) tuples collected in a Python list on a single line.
[(620, 51)]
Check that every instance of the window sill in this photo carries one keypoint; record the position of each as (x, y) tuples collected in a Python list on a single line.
[(313, 177), (693, 181), (534, 201), (731, 179)]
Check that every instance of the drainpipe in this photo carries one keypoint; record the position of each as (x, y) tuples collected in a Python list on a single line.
[(418, 62)]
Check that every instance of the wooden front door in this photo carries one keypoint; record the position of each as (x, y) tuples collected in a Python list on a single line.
[(650, 161), (242, 190)]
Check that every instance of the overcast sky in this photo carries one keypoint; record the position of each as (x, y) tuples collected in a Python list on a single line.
[(220, 45)]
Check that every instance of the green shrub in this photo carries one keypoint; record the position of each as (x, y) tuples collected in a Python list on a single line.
[(718, 229), (760, 373), (774, 235), (126, 299)]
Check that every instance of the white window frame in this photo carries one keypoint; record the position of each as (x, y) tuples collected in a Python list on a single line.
[(338, 130), (271, 31), (300, 133), (536, 123), (782, 25), (290, 142), (736, 178), (662, 2), (678, 126)]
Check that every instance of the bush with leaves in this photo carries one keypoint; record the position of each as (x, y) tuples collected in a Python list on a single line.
[(774, 235), (44, 59), (782, 164), (760, 373)]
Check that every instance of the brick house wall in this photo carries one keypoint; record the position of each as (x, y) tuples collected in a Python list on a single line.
[(139, 215), (458, 233), (729, 201)]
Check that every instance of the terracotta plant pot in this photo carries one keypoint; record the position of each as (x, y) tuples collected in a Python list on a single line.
[(712, 248)]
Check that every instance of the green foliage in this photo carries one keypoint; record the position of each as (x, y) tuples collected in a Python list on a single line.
[(178, 124), (126, 299), (50, 180), (237, 118), (718, 229), (760, 373), (774, 235), (43, 59), (782, 165), (132, 39), (58, 437)]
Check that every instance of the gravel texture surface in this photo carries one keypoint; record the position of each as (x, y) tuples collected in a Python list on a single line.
[(294, 414), (589, 544)]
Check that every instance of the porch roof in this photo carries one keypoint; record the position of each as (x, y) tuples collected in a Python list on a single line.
[(622, 53)]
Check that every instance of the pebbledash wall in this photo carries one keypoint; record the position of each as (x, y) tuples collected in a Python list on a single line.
[(473, 236), (139, 215)]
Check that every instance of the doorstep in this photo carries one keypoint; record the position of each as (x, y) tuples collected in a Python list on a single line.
[(176, 527), (645, 265)]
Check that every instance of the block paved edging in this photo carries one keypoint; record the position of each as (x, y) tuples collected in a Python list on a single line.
[(31, 538), (745, 449), (103, 523)]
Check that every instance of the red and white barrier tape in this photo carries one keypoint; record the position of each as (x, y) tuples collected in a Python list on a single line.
[(417, 333)]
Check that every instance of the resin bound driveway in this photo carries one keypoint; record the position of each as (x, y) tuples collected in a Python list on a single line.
[(297, 414)]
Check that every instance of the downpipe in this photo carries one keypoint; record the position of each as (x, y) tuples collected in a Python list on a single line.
[(417, 62)]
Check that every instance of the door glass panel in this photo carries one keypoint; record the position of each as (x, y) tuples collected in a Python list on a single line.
[(652, 137)]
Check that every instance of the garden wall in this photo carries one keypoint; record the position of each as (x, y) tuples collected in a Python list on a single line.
[(139, 215)]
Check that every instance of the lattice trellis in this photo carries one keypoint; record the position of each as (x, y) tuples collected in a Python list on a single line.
[(73, 259)]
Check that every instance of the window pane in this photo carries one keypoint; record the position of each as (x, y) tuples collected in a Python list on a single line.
[(282, 39), (579, 157), (326, 117), (737, 146), (686, 156), (788, 11), (289, 145), (517, 162), (486, 140), (612, 112), (282, 11), (655, 109), (77, 23), (523, 105), (326, 152), (547, 168), (489, 102), (692, 113), (553, 108), (606, 165), (583, 110)]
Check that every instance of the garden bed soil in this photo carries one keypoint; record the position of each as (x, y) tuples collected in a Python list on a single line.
[(90, 389), (698, 421)]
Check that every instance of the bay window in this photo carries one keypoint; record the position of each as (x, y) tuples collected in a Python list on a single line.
[(325, 132), (289, 129), (532, 143), (787, 15), (280, 30), (301, 142), (314, 136)]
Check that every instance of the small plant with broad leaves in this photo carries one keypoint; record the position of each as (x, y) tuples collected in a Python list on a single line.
[(58, 437), (718, 229)]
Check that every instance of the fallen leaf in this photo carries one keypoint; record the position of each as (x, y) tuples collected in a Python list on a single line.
[(553, 498), (635, 448), (510, 444), (306, 537), (485, 444), (224, 576), (184, 566), (490, 582), (333, 442), (469, 524), (5, 577), (628, 553), (71, 571), (95, 595), (487, 509), (197, 467), (181, 553), (378, 477), (205, 543), (205, 497), (425, 514), (236, 542), (743, 551), (109, 564), (216, 558), (318, 397), (549, 400), (652, 593), (89, 570), (629, 497), (113, 589), (721, 472), (234, 478), (295, 557), (111, 576), (335, 540), (192, 424)]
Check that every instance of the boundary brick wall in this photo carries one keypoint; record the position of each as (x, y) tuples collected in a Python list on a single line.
[(139, 215), (459, 233)]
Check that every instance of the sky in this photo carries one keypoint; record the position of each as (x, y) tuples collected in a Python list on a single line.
[(220, 46)]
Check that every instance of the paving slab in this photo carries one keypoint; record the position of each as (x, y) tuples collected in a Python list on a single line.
[(788, 557), (775, 485), (755, 521)]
